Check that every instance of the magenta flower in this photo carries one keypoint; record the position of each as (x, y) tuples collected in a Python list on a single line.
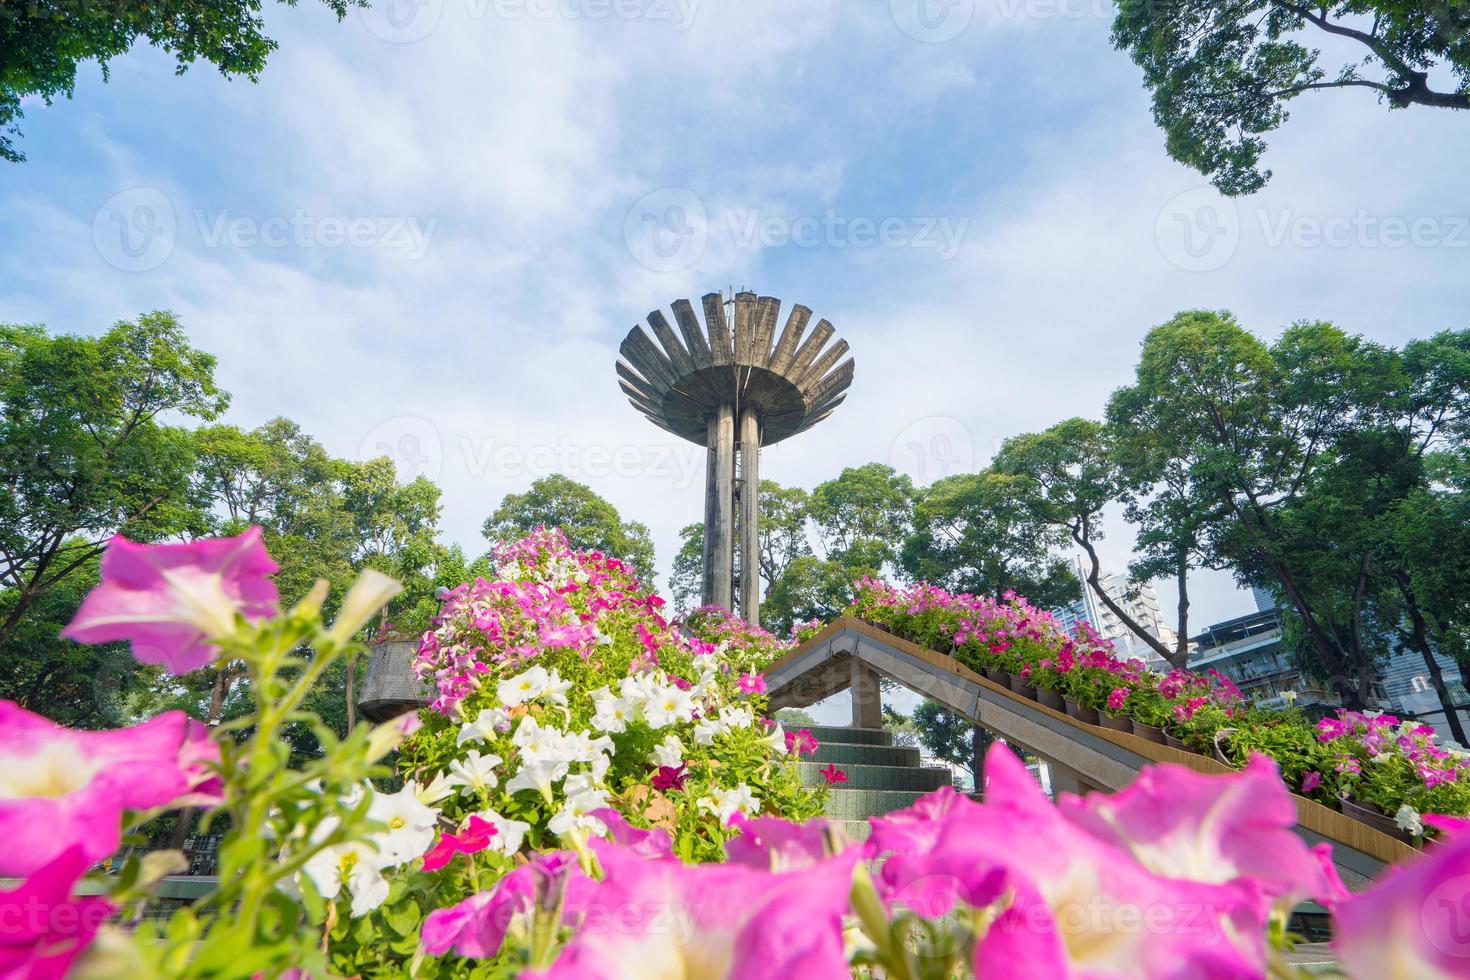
[(781, 845), (476, 927), (752, 684), (832, 774), (473, 839), (1075, 897), (1414, 924), (173, 600), (61, 788), (1311, 780), (654, 844), (670, 777), (45, 928), (1210, 829), (801, 743), (713, 920), (1117, 697)]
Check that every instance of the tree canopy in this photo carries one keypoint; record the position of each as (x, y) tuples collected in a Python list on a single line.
[(1223, 73), (43, 41), (589, 521)]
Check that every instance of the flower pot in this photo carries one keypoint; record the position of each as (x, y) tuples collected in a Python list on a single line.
[(1051, 697), (1150, 732), (1019, 685), (1175, 743), (998, 676), (1117, 723), (1221, 737), (1077, 711), (1366, 813)]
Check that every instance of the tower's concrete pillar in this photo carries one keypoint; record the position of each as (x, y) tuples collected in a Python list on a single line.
[(750, 490), (722, 529)]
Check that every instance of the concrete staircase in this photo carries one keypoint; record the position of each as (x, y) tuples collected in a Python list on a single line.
[(881, 777)]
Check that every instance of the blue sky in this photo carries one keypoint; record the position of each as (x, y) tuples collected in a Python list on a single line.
[(428, 227)]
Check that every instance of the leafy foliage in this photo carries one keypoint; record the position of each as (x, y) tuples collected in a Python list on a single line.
[(1222, 74), (589, 522)]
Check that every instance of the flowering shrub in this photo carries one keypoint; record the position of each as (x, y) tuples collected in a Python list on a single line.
[(594, 796), (1397, 768)]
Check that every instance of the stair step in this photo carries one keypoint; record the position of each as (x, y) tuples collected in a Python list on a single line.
[(860, 804), (858, 830), (844, 754), (852, 736), (880, 777)]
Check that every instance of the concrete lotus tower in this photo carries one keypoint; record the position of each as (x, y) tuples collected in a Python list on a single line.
[(732, 385)]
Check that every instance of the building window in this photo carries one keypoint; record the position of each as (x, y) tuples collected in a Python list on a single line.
[(1419, 683)]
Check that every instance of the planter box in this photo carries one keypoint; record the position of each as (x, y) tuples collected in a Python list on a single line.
[(1077, 711), (1019, 685), (1150, 732), (1117, 723), (1051, 698), (1373, 817), (1175, 743), (998, 676)]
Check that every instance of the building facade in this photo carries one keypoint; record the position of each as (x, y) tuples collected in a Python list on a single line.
[(1142, 606)]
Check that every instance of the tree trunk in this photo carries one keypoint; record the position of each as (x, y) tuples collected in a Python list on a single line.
[(351, 701), (1419, 640), (1177, 657)]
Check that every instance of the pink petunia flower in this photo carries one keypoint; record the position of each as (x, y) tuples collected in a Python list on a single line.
[(832, 774), (1074, 896), (45, 928), (473, 839), (173, 600), (763, 926), (781, 845), (801, 742), (1311, 780), (61, 788), (1117, 697), (752, 684), (1414, 924)]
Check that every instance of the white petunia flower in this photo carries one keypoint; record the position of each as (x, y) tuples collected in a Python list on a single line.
[(410, 826), (611, 712), (726, 802), (705, 730), (556, 689), (528, 685), (353, 864), (538, 775), (1408, 819), (668, 706), (435, 790), (669, 752), (474, 771), (776, 739), (487, 724), (509, 834)]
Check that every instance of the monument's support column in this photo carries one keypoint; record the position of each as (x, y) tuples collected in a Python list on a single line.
[(867, 696), (711, 514), (722, 546), (750, 544)]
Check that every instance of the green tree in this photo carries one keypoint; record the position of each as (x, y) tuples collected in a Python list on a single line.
[(1222, 73), (82, 453), (588, 521), (43, 41), (686, 576), (1066, 476), (783, 529), (974, 533), (866, 510)]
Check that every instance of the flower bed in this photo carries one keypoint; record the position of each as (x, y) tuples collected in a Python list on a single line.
[(1395, 768), (595, 796)]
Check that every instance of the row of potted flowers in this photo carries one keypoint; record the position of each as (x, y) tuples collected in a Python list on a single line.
[(1376, 768)]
